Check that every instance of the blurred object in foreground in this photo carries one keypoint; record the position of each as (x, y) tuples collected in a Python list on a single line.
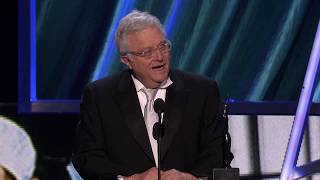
[(17, 154)]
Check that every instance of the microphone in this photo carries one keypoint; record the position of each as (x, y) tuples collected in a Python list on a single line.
[(159, 107), (157, 131)]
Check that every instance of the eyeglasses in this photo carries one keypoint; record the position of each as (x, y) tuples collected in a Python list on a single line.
[(163, 47)]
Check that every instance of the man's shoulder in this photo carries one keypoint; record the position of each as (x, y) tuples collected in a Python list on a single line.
[(192, 79), (109, 81)]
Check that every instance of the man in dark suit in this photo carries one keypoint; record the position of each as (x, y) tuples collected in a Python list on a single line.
[(114, 139)]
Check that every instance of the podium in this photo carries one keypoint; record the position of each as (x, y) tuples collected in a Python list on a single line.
[(225, 174)]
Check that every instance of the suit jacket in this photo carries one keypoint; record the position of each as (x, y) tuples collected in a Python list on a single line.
[(112, 138)]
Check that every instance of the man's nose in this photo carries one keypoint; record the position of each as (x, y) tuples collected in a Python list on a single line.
[(158, 54)]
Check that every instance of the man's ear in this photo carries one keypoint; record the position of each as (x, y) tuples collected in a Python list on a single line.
[(126, 60)]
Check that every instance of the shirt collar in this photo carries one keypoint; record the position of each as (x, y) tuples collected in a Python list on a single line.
[(140, 86)]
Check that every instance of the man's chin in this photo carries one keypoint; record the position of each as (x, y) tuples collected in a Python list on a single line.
[(161, 79)]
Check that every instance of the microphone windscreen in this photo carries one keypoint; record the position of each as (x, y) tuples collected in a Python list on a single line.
[(159, 106), (156, 130)]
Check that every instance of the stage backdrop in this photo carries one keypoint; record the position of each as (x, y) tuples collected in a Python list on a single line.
[(256, 50)]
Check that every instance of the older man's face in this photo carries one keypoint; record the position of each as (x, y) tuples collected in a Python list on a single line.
[(152, 70)]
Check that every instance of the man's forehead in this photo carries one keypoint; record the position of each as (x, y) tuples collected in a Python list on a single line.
[(147, 37)]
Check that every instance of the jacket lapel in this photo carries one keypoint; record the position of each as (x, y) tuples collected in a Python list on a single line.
[(176, 98), (128, 102)]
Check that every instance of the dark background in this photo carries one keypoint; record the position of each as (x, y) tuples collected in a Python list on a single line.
[(8, 55), (52, 134)]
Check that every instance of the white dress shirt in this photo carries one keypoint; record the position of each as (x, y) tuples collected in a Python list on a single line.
[(161, 93)]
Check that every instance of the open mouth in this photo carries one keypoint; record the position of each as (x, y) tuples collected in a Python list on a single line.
[(159, 67)]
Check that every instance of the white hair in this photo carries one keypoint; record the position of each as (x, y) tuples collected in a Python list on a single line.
[(133, 22)]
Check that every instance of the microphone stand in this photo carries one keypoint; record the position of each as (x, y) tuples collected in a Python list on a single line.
[(158, 133), (227, 154), (159, 107)]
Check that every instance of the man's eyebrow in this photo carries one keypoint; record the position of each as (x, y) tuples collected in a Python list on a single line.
[(161, 42)]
